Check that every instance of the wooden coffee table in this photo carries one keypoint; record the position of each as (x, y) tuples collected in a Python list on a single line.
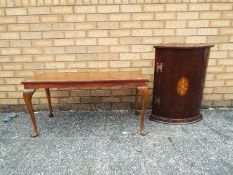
[(85, 80)]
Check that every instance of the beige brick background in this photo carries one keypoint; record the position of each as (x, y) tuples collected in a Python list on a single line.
[(102, 35)]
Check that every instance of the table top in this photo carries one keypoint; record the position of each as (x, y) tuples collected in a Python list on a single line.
[(182, 45), (82, 77)]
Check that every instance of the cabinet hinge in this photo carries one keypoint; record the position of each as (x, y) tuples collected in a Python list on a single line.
[(157, 100), (159, 67)]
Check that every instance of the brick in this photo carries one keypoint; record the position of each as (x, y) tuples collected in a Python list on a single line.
[(50, 18), (86, 41), (153, 24), (7, 19), (225, 62), (64, 42), (16, 11), (15, 95), (153, 7), (108, 25), (22, 58), (7, 73), (110, 99), (212, 97), (223, 90), (218, 54), (107, 9), (198, 23), (14, 81), (86, 57), (221, 6), (74, 34), (34, 66), (18, 27), (165, 15), (4, 43), (90, 100), (106, 56), (65, 58), (130, 40), (130, 24), (3, 27), (54, 50), (187, 15), (42, 42), (217, 39), (148, 56), (53, 34), (2, 12), (30, 35), (97, 49), (213, 69), (226, 46), (196, 39), (164, 32), (76, 49), (38, 10), (175, 24), (4, 95), (199, 7), (227, 97), (215, 83), (61, 10), (188, 32), (98, 33), (43, 58), (20, 43), (119, 48), (12, 66), (119, 17), (40, 27), (10, 51), (175, 39), (141, 48), (32, 50), (56, 65), (131, 8), (74, 18), (210, 15), (28, 19), (152, 40), (129, 56), (176, 7), (102, 92), (80, 93), (142, 16), (76, 65), (119, 63), (63, 26), (5, 59), (224, 76), (142, 63), (108, 41), (226, 31), (120, 33), (208, 31), (85, 9), (85, 26), (220, 23), (96, 17), (229, 83), (99, 64), (142, 32)]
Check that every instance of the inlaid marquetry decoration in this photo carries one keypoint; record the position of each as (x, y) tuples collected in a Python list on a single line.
[(182, 86)]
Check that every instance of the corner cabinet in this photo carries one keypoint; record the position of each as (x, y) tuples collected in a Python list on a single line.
[(179, 78)]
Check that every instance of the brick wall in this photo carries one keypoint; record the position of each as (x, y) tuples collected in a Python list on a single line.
[(90, 35)]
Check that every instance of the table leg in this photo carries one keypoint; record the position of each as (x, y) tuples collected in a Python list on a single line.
[(49, 102), (27, 95), (143, 91), (136, 102)]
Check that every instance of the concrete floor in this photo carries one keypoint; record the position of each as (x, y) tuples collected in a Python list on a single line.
[(107, 142)]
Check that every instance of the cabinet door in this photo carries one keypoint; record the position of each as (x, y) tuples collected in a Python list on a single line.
[(179, 85)]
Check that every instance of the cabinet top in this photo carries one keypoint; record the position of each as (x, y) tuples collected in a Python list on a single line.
[(182, 45)]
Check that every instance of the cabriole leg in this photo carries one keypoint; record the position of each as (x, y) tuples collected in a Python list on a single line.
[(49, 102), (143, 91), (27, 95), (136, 102)]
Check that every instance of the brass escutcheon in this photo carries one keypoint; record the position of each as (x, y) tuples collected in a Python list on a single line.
[(182, 86)]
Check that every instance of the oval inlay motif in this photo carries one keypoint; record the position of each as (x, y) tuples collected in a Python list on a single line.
[(182, 86)]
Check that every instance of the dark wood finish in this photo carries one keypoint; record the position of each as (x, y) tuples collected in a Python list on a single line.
[(88, 80), (179, 77)]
